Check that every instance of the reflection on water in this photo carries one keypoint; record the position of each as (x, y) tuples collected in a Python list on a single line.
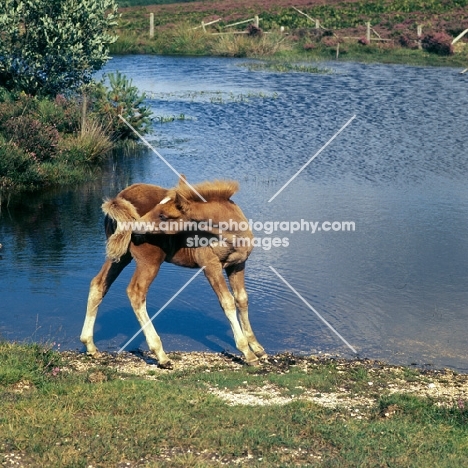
[(396, 288)]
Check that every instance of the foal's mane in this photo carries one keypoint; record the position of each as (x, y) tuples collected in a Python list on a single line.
[(218, 190)]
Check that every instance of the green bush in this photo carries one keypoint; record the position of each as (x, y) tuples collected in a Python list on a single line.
[(15, 106), (18, 169), (248, 46), (61, 113), (38, 139), (183, 39), (438, 43), (121, 98), (46, 141), (48, 47), (5, 95)]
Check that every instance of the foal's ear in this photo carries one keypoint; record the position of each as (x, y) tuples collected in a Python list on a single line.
[(182, 180), (181, 202)]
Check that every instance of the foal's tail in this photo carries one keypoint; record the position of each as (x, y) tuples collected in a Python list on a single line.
[(120, 211)]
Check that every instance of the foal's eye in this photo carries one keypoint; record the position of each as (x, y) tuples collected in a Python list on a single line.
[(163, 217)]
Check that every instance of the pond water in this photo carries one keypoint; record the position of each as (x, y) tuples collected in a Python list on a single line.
[(396, 288)]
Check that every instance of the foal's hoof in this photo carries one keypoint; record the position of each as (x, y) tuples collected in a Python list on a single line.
[(165, 365), (262, 355), (94, 353), (253, 362)]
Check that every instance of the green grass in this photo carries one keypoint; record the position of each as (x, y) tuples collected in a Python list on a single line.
[(62, 419), (32, 363), (214, 97), (171, 118), (283, 54), (284, 67)]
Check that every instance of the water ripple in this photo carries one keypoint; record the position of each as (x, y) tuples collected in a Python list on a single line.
[(396, 288)]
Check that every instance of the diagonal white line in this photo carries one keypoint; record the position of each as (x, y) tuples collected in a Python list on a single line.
[(160, 310), (312, 158), (158, 154), (313, 310)]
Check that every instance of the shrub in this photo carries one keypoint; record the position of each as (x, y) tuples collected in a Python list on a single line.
[(122, 98), (363, 41), (52, 46), (438, 43), (61, 173), (182, 39), (33, 136), (329, 41), (18, 169), (405, 41), (254, 31), (230, 46), (43, 141), (5, 95), (61, 113), (11, 107), (309, 33)]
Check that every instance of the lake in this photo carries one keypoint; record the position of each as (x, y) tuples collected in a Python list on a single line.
[(395, 287)]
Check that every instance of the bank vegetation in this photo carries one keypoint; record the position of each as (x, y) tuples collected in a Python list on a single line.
[(405, 31)]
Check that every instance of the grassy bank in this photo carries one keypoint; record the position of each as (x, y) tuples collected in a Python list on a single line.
[(64, 410), (343, 22)]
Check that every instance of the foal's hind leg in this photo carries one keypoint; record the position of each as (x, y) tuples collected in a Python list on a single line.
[(100, 284), (236, 275), (146, 270), (214, 274)]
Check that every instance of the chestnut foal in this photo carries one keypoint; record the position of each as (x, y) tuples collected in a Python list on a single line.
[(153, 225)]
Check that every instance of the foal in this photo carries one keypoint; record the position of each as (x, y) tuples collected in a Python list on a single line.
[(164, 215)]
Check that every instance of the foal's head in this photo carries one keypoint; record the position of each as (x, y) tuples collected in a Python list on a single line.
[(183, 204)]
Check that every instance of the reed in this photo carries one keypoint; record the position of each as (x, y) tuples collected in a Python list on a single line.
[(90, 146), (285, 67)]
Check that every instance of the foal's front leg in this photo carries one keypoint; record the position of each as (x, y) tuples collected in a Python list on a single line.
[(214, 274)]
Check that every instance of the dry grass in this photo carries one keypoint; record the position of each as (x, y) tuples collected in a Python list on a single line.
[(242, 45), (89, 146)]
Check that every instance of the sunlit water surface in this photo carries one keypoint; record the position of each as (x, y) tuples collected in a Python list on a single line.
[(396, 288)]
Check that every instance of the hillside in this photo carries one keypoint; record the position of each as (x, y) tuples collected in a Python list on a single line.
[(392, 31), (391, 18)]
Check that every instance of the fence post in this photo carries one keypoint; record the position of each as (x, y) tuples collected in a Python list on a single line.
[(203, 26), (419, 31), (317, 24), (368, 32), (151, 24), (257, 21)]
